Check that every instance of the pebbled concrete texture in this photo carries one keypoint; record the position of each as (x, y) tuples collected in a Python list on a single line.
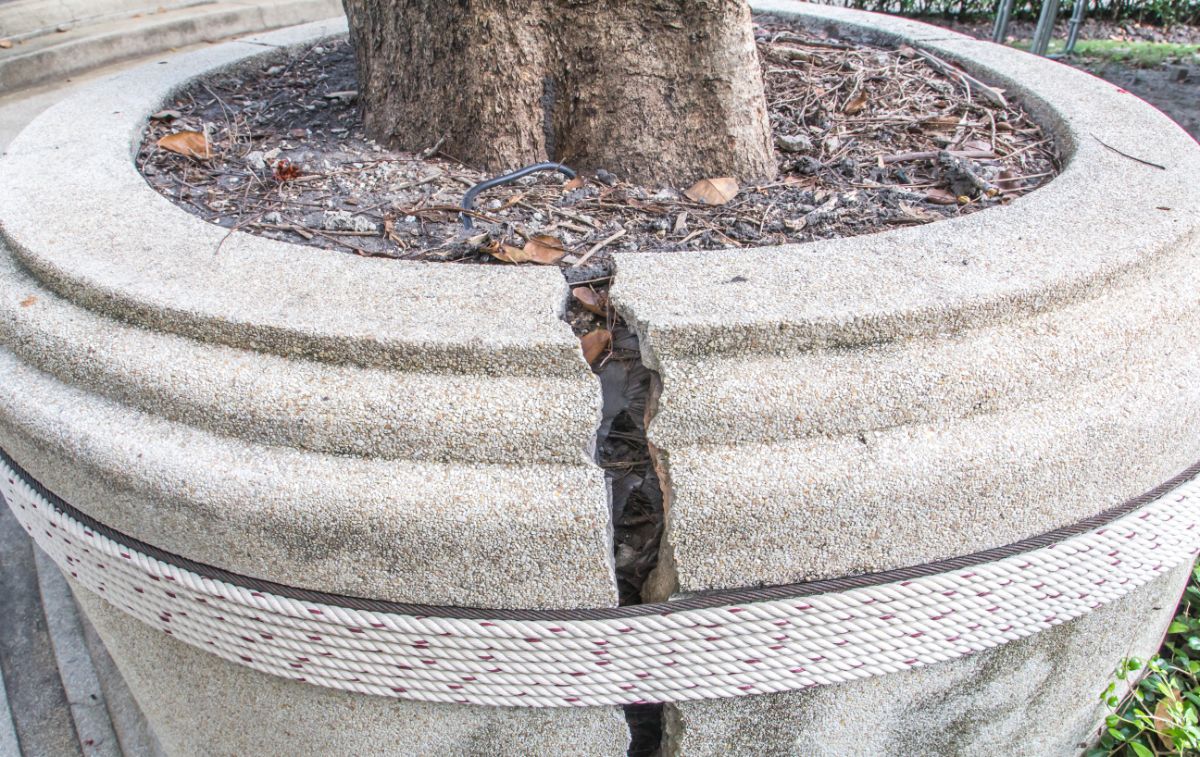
[(421, 433), (173, 682), (936, 390), (477, 535), (380, 449), (132, 728), (255, 293), (1036, 697)]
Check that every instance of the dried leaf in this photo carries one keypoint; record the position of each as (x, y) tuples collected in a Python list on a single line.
[(193, 144), (856, 104), (506, 253), (713, 191), (591, 300), (940, 121), (28, 301), (544, 249), (941, 197), (166, 115), (595, 344), (915, 214), (573, 184), (541, 248), (1163, 715), (285, 170), (6, 44)]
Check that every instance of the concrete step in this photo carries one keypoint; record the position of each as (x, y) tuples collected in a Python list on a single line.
[(107, 38), (23, 19), (60, 693)]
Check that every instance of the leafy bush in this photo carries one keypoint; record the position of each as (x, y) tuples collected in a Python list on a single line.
[(1165, 12), (1161, 715)]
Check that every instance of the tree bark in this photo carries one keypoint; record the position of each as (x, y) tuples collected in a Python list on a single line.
[(655, 91)]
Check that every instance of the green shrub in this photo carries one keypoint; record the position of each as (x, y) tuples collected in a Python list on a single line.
[(1161, 714), (1164, 12)]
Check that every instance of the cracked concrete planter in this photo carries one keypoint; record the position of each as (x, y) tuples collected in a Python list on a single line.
[(849, 407)]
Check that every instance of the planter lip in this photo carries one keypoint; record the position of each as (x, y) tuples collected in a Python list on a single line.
[(155, 264)]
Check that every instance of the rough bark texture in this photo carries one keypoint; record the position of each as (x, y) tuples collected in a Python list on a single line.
[(653, 90)]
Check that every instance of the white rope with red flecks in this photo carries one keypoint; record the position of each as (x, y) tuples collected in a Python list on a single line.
[(752, 648)]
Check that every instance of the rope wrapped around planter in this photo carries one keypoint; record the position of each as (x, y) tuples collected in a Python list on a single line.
[(726, 644)]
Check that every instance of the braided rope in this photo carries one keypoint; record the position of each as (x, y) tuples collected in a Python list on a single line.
[(750, 648)]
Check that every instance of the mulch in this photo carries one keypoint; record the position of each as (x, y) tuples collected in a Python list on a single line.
[(867, 139)]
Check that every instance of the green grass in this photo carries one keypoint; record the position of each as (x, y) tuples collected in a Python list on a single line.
[(1161, 715), (1141, 54)]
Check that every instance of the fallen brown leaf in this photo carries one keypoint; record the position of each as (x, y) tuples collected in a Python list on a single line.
[(915, 214), (591, 300), (855, 105), (1162, 713), (28, 301), (573, 184), (544, 249), (595, 344), (6, 44), (506, 253), (941, 197), (193, 144), (285, 170), (541, 248), (713, 191)]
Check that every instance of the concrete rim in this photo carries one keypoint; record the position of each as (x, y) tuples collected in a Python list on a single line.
[(153, 263)]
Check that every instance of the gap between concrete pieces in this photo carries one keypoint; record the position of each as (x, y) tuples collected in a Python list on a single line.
[(636, 487)]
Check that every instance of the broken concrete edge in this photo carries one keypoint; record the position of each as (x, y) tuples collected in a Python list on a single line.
[(114, 34), (827, 293), (1059, 244), (321, 316), (492, 422), (934, 390), (244, 290)]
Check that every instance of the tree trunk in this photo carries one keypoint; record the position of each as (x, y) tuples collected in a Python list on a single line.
[(656, 91)]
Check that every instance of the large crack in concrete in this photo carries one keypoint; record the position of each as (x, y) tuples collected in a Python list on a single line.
[(636, 491)]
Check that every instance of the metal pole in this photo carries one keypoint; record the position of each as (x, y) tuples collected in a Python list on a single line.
[(1000, 28), (1074, 26), (1045, 27)]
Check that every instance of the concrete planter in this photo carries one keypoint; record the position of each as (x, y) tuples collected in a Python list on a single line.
[(418, 434)]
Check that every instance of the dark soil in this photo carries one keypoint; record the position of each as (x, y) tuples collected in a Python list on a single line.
[(870, 139)]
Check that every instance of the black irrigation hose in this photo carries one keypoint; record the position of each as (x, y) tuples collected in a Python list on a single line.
[(468, 201)]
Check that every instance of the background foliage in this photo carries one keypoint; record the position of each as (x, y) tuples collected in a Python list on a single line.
[(1161, 715), (1165, 12)]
